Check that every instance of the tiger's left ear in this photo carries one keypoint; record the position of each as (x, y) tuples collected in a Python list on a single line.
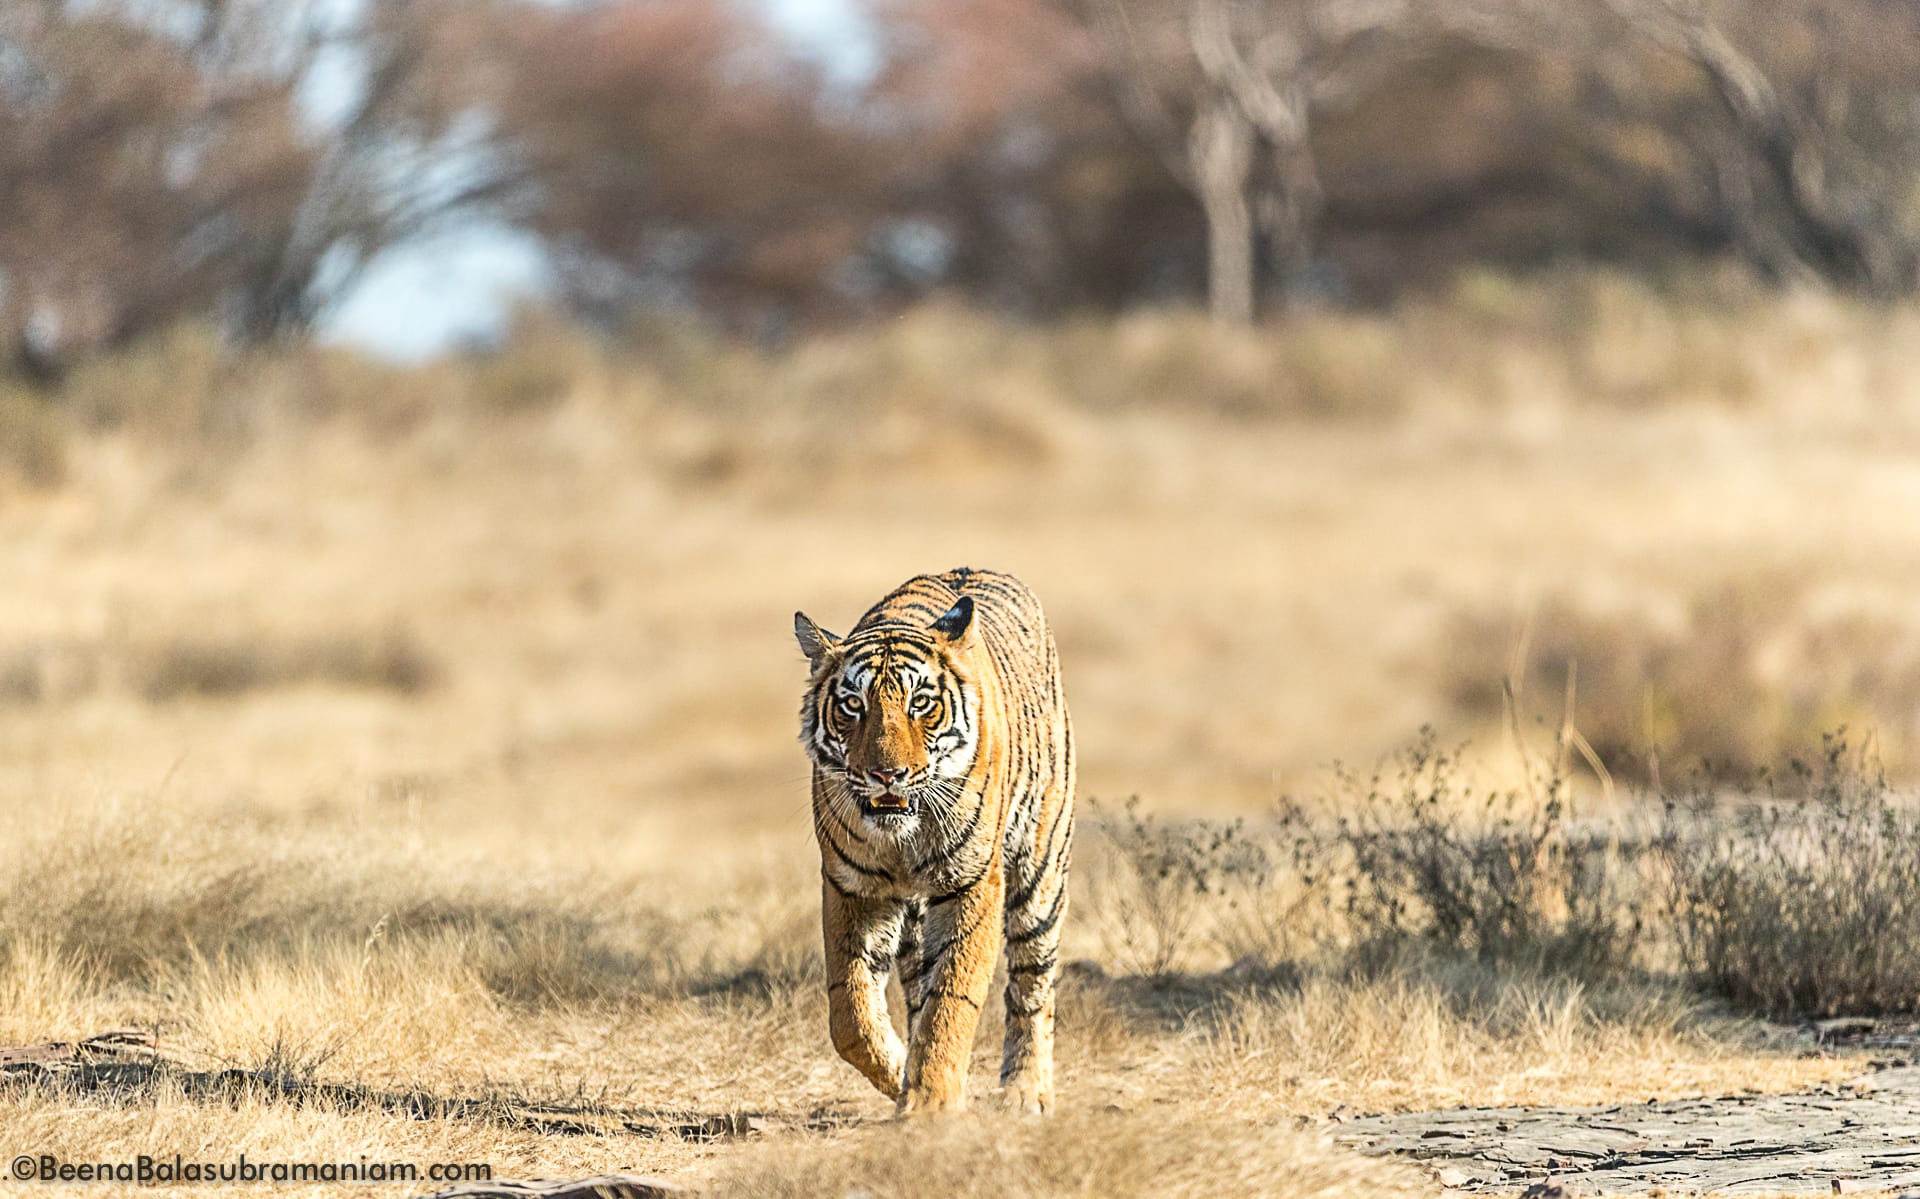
[(957, 622)]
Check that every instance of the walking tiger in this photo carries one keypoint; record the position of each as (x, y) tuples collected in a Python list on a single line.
[(943, 804)]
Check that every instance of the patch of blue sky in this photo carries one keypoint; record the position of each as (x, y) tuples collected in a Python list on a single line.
[(460, 286)]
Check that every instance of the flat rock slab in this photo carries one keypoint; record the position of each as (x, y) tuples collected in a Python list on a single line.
[(1860, 1135)]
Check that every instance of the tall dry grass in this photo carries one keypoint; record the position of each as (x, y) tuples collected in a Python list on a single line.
[(1111, 1152), (1741, 677), (337, 966), (1491, 347)]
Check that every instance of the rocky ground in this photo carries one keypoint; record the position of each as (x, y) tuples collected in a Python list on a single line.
[(1856, 1136)]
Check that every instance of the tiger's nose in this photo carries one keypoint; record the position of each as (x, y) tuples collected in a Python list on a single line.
[(888, 777)]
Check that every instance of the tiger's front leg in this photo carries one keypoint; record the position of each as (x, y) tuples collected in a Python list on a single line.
[(862, 936), (1034, 916), (961, 942)]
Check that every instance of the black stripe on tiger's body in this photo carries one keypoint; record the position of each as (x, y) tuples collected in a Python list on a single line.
[(943, 802)]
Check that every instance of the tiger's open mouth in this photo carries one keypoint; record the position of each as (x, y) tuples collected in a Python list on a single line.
[(888, 804)]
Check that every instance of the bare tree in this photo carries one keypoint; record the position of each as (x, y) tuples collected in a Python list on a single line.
[(404, 148), (1195, 127), (1247, 80), (1819, 161), (1219, 167), (1251, 82), (685, 157), (1002, 141), (159, 162)]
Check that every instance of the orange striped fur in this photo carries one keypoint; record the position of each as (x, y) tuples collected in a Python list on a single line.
[(943, 803)]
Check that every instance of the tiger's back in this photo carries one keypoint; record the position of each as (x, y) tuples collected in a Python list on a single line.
[(943, 803)]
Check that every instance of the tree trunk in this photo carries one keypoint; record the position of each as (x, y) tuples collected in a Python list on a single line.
[(1289, 214), (1220, 150)]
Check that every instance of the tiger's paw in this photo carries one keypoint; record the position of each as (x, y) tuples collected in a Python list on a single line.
[(1028, 1096), (924, 1101)]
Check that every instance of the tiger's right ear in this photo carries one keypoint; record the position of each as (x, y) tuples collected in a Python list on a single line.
[(814, 640)]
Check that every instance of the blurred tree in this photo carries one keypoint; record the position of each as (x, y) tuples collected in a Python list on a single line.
[(1006, 146), (1235, 94), (244, 161), (1816, 156), (687, 156), (161, 162), (683, 155)]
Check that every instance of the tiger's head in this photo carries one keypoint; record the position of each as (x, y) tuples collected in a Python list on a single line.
[(891, 715)]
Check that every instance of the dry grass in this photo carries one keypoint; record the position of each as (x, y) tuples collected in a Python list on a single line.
[(1111, 1152), (226, 666), (322, 953), (431, 729), (33, 439), (1748, 673)]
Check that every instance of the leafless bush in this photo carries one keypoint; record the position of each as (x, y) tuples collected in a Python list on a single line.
[(1809, 904), (48, 670), (20, 678), (33, 440), (1417, 859), (1504, 876), (1784, 906), (1160, 890), (217, 666)]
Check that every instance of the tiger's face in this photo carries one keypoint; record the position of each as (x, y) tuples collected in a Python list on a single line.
[(891, 718)]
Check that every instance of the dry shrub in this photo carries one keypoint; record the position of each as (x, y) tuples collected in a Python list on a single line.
[(537, 366), (216, 667), (33, 440), (1611, 338), (1745, 679), (1782, 906), (1163, 1152), (938, 389), (1324, 364), (1808, 904), (183, 385), (1190, 893), (48, 670), (1416, 857), (1503, 876), (21, 676), (188, 390), (946, 387)]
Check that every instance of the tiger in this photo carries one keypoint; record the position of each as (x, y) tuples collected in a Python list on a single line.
[(943, 775)]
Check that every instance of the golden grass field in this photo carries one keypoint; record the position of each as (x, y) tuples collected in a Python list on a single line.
[(433, 728)]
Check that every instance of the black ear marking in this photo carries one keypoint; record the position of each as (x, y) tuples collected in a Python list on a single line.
[(814, 640), (957, 620)]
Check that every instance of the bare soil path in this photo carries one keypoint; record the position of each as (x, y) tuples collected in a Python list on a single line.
[(1862, 1135)]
